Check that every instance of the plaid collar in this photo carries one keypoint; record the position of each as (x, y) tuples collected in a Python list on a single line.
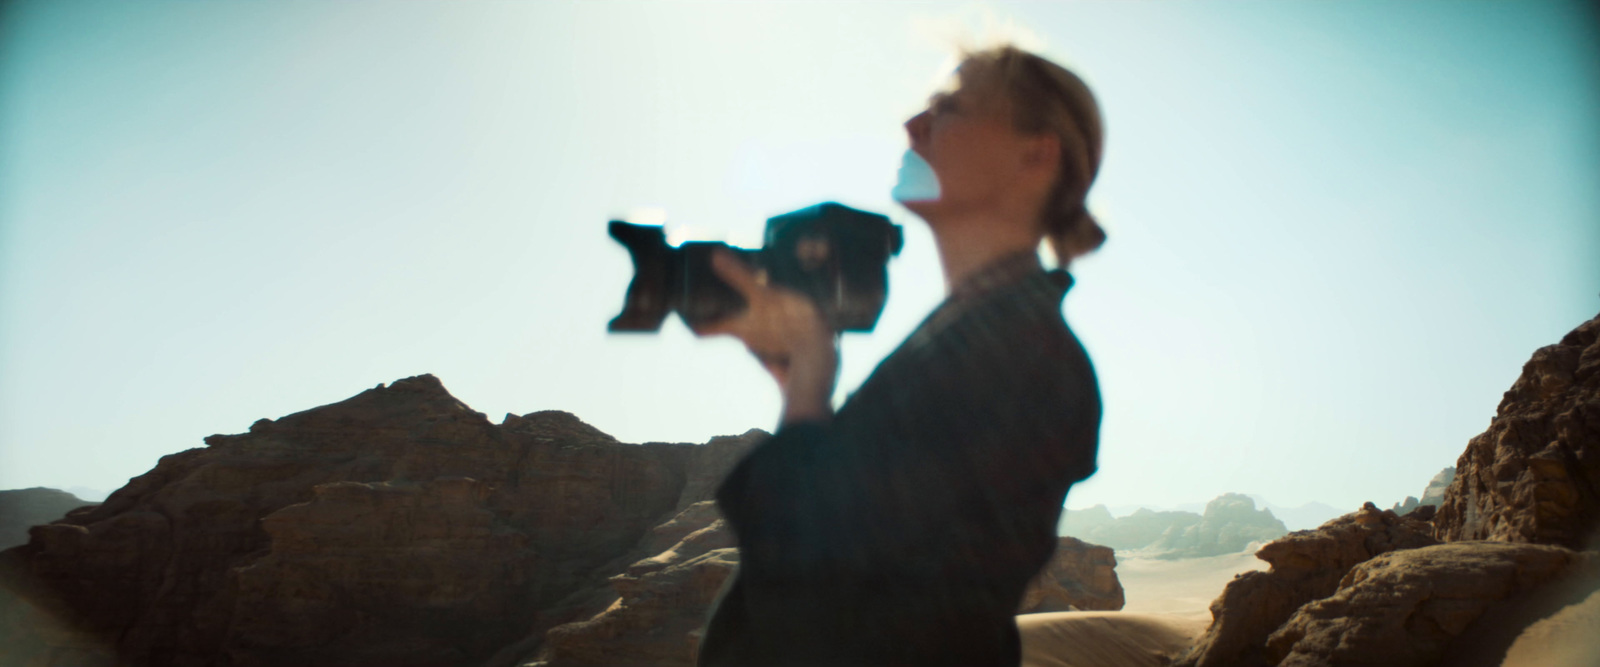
[(1022, 268), (1004, 271)]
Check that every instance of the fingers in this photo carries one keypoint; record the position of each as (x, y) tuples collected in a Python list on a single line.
[(742, 277)]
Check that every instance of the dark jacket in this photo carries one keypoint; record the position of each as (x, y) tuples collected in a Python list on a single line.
[(905, 531)]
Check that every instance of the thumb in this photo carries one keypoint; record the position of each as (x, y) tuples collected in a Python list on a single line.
[(740, 276)]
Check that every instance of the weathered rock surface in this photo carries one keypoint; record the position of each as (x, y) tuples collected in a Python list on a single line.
[(397, 527), (1306, 565), (1080, 577), (1404, 608), (662, 602), (21, 509), (1534, 475)]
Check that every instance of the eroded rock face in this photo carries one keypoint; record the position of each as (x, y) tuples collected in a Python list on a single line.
[(1404, 608), (1534, 476), (1079, 577), (662, 602), (1306, 565), (398, 527)]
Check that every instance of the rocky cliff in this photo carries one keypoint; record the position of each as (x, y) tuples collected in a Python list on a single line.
[(1534, 475), (398, 527), (1374, 587)]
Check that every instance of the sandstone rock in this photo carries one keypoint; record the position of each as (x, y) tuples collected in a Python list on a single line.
[(662, 602), (21, 509), (1306, 565), (1405, 607), (1079, 577), (1534, 475), (397, 527)]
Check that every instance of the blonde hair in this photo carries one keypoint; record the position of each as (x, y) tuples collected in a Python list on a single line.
[(1047, 98)]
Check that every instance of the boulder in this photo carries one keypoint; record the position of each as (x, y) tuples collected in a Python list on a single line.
[(1534, 475), (1405, 608), (1306, 565), (1079, 577)]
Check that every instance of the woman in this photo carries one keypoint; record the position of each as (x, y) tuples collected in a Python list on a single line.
[(904, 529)]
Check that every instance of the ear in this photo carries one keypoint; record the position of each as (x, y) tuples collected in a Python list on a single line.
[(1042, 152)]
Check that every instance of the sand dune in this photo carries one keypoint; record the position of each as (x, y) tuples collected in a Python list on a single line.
[(1167, 607), (1104, 638)]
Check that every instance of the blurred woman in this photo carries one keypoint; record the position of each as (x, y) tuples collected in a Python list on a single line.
[(903, 529)]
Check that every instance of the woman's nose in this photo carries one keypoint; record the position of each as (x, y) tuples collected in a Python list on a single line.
[(917, 127)]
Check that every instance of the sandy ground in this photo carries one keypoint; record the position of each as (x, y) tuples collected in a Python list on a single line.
[(1180, 587), (1568, 638), (1168, 605)]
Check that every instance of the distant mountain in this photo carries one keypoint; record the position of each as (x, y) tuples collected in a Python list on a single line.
[(1433, 494), (1302, 517), (21, 509), (1231, 523)]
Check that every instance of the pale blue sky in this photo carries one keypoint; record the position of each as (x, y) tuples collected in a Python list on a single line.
[(1337, 229)]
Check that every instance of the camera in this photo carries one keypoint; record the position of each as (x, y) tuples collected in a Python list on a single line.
[(835, 255)]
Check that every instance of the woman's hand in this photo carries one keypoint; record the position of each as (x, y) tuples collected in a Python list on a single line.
[(784, 330)]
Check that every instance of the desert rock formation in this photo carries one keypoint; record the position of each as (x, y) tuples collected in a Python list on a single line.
[(1373, 588), (1534, 476), (1306, 565), (663, 601), (1404, 608), (395, 527), (400, 527), (21, 509)]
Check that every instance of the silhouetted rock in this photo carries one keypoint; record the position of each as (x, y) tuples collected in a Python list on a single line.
[(397, 527), (1534, 475), (21, 509), (1306, 565)]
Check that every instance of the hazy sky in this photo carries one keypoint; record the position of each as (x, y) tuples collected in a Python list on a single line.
[(1337, 230)]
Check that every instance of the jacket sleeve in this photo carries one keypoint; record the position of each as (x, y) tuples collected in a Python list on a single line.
[(956, 437)]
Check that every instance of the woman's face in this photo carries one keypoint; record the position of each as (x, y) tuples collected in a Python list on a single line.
[(967, 137)]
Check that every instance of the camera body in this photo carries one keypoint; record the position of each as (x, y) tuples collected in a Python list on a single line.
[(835, 255)]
